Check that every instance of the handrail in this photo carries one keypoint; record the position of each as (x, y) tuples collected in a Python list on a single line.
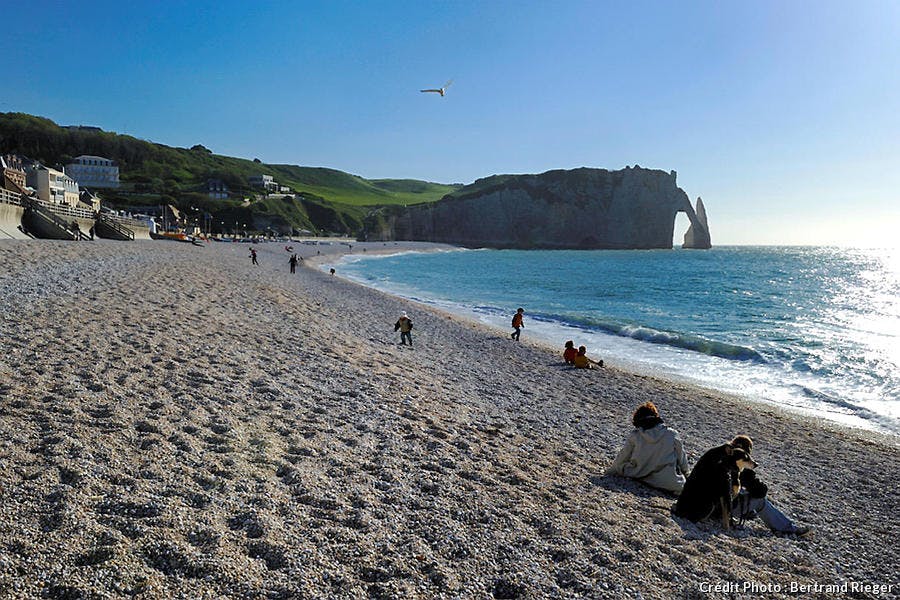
[(41, 209), (8, 197), (117, 227), (126, 221), (66, 210)]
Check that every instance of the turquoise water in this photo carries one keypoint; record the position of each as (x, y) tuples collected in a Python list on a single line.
[(812, 328)]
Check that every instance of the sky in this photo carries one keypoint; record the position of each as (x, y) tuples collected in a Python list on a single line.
[(783, 116)]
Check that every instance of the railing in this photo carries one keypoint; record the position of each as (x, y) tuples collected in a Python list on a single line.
[(43, 210), (126, 221), (8, 197), (116, 226), (65, 210)]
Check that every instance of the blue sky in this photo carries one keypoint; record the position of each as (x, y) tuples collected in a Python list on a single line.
[(783, 116)]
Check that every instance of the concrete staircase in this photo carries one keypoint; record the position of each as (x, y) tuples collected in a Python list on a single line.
[(41, 222), (110, 229)]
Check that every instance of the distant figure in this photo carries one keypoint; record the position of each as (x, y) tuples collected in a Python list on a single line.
[(653, 453), (293, 262), (404, 326), (570, 353), (583, 362), (517, 324), (441, 91), (253, 256), (332, 270)]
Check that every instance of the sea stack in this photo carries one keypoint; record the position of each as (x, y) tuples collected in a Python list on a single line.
[(697, 235)]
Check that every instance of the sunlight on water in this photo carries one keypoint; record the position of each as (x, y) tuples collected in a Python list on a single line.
[(811, 328)]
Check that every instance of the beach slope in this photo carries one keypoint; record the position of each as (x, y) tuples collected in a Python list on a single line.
[(175, 422)]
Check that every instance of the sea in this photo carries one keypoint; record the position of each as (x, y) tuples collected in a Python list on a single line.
[(814, 329)]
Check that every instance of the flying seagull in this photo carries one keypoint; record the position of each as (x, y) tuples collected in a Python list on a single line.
[(440, 91)]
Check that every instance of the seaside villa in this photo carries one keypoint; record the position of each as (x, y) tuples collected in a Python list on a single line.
[(52, 186), (94, 171)]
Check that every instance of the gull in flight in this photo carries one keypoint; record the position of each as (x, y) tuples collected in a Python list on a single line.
[(440, 91)]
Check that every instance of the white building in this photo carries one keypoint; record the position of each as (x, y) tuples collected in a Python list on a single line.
[(94, 172), (52, 185), (266, 182)]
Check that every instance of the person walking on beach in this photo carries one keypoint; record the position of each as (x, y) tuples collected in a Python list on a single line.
[(752, 498), (518, 324), (293, 261), (653, 454), (253, 256), (404, 325), (581, 361)]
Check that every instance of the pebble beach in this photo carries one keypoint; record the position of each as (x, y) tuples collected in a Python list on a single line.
[(176, 422)]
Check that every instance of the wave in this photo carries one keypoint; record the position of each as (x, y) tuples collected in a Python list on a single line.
[(651, 335)]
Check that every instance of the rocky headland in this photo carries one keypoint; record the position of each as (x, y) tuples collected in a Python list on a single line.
[(632, 208)]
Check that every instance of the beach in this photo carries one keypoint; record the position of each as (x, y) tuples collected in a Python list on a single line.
[(178, 423)]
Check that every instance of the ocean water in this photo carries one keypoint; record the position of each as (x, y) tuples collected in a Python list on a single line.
[(812, 328)]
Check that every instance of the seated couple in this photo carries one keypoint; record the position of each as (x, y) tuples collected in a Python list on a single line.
[(579, 357), (653, 454)]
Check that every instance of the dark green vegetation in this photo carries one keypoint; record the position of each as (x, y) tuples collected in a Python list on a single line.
[(321, 200)]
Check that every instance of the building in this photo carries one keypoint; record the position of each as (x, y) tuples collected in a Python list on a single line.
[(13, 168), (216, 189), (90, 201), (52, 186), (94, 172), (266, 182)]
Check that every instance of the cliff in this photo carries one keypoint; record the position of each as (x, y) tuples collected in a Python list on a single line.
[(577, 209)]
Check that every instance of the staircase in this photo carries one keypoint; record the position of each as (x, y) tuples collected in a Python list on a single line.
[(41, 222), (109, 228)]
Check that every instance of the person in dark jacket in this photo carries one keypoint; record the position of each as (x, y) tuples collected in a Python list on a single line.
[(752, 498), (753, 501)]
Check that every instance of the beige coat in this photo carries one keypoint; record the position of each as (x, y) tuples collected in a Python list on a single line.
[(654, 456)]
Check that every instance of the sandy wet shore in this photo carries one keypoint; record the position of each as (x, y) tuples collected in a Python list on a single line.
[(176, 423)]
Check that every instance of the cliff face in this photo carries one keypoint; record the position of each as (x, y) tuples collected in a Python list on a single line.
[(577, 209)]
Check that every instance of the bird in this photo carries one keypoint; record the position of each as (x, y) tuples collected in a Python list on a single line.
[(440, 91)]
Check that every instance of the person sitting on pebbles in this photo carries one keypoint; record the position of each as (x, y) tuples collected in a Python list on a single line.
[(570, 353), (653, 453), (752, 498), (581, 360)]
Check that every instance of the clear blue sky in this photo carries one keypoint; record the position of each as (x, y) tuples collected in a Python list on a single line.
[(783, 116)]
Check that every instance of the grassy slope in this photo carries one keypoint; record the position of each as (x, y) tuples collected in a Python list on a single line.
[(164, 169)]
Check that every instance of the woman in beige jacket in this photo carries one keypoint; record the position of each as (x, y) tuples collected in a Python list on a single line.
[(653, 453)]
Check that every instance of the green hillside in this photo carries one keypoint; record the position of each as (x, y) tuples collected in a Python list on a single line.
[(154, 173)]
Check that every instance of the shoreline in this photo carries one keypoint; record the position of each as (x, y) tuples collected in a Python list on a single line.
[(213, 428), (632, 366)]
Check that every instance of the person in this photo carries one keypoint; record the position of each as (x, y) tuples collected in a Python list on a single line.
[(404, 325), (518, 324), (752, 499), (253, 256), (293, 262), (653, 454), (570, 353), (331, 270), (581, 361)]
